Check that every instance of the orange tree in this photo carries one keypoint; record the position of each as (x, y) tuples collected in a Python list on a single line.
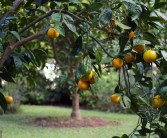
[(124, 34)]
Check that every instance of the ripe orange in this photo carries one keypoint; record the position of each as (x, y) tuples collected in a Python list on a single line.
[(115, 98), (89, 77), (92, 80), (158, 101), (52, 33), (83, 85), (149, 56), (131, 34), (139, 48), (117, 63), (130, 58), (9, 99)]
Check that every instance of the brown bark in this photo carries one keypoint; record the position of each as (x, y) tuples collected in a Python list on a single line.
[(75, 106)]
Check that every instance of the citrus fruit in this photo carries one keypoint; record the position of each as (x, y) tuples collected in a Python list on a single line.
[(117, 63), (92, 80), (131, 34), (149, 56), (139, 48), (52, 33), (88, 77), (129, 58), (9, 99), (158, 101), (115, 98), (83, 85)]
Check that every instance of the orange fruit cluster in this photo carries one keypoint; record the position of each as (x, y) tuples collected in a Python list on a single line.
[(85, 81)]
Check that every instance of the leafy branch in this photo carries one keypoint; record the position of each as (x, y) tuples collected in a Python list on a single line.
[(12, 46)]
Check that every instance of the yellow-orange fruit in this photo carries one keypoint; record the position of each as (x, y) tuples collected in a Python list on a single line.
[(131, 34), (89, 77), (83, 85), (158, 101), (150, 56), (92, 80), (129, 58), (9, 99), (139, 48), (117, 63), (115, 98), (52, 33)]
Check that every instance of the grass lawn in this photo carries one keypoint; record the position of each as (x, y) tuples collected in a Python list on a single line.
[(16, 126)]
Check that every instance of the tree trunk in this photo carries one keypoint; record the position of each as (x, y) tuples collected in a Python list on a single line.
[(75, 106)]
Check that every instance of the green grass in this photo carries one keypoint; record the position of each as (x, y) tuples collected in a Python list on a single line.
[(16, 126)]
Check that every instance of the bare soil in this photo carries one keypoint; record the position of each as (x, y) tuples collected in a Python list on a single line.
[(69, 122)]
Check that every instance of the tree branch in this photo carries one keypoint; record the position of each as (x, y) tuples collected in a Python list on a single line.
[(16, 4), (11, 47), (48, 14)]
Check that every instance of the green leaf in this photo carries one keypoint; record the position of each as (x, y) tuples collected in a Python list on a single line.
[(56, 17), (69, 22), (99, 55), (31, 82), (77, 47), (141, 42), (59, 28), (7, 77), (144, 131), (33, 58), (123, 39), (130, 1), (163, 66), (3, 103), (133, 9), (150, 37), (125, 102), (40, 2), (164, 54), (95, 6), (160, 5), (17, 62), (80, 72), (144, 101), (15, 34), (1, 48), (124, 136), (105, 17), (122, 25)]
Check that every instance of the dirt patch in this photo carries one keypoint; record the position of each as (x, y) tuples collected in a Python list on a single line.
[(69, 122)]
